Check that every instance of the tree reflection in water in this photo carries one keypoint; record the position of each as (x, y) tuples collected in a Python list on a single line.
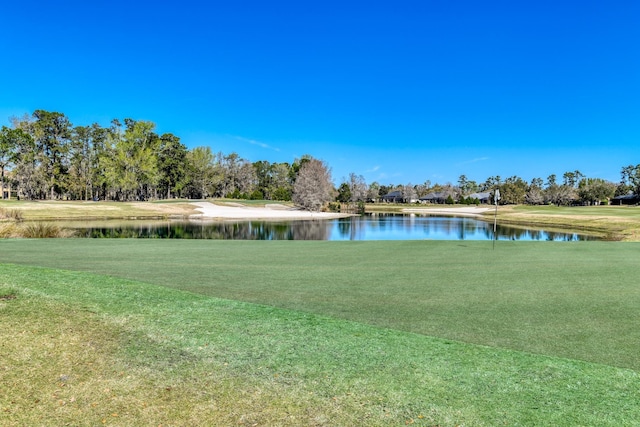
[(368, 227)]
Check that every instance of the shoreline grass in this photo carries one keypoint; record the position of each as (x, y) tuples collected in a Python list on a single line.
[(90, 349)]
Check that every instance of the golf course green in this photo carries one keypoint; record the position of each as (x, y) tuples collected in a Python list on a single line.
[(319, 333)]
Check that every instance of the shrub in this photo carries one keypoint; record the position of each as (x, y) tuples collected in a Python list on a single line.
[(256, 195), (8, 230), (333, 207), (42, 230), (281, 194), (14, 214)]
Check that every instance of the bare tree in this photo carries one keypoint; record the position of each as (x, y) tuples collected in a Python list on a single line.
[(535, 195), (409, 193), (313, 187), (561, 194), (373, 193), (423, 189), (358, 187)]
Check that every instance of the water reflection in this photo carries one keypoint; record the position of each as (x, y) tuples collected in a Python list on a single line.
[(369, 227)]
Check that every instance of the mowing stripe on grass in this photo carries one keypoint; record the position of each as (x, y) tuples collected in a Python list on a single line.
[(187, 359), (577, 300)]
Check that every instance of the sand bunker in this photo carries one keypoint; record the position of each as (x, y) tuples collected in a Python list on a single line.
[(268, 212)]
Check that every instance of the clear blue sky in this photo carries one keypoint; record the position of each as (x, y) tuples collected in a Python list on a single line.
[(398, 91)]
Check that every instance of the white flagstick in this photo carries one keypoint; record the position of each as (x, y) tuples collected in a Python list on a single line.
[(496, 197)]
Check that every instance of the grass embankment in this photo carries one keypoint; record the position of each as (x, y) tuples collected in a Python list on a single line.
[(613, 222), (149, 354)]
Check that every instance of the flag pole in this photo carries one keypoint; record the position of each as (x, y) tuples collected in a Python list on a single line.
[(496, 197)]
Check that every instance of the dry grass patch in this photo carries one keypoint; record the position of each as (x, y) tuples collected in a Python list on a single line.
[(8, 230), (611, 222), (54, 210), (10, 214), (61, 364)]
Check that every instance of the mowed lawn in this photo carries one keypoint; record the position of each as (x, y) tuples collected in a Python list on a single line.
[(344, 333)]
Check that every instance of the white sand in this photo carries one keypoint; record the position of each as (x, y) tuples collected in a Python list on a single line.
[(268, 212), (280, 212), (459, 211)]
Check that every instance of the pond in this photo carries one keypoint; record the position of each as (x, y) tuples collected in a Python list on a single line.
[(367, 227)]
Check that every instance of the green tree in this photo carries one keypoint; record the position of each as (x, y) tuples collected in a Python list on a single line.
[(281, 187), (10, 142), (263, 171), (593, 191), (571, 179), (491, 183), (202, 176), (385, 189), (52, 133), (630, 180), (172, 155), (99, 160), (466, 186), (133, 165), (344, 193), (513, 191), (31, 183), (81, 163)]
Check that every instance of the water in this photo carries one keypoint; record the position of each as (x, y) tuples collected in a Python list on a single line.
[(368, 227)]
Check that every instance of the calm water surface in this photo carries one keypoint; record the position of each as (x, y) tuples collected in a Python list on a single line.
[(368, 227)]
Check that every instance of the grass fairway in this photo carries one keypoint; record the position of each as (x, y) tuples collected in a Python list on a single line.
[(445, 333)]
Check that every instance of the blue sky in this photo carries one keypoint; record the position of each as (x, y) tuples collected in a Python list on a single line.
[(397, 91)]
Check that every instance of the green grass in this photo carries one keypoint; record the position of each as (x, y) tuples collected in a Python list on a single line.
[(83, 349), (575, 300)]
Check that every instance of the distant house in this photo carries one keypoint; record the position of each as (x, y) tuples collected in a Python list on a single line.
[(393, 197), (437, 197), (484, 197), (627, 199), (5, 192)]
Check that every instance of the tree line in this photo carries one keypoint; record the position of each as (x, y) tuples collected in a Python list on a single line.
[(572, 188), (44, 156)]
